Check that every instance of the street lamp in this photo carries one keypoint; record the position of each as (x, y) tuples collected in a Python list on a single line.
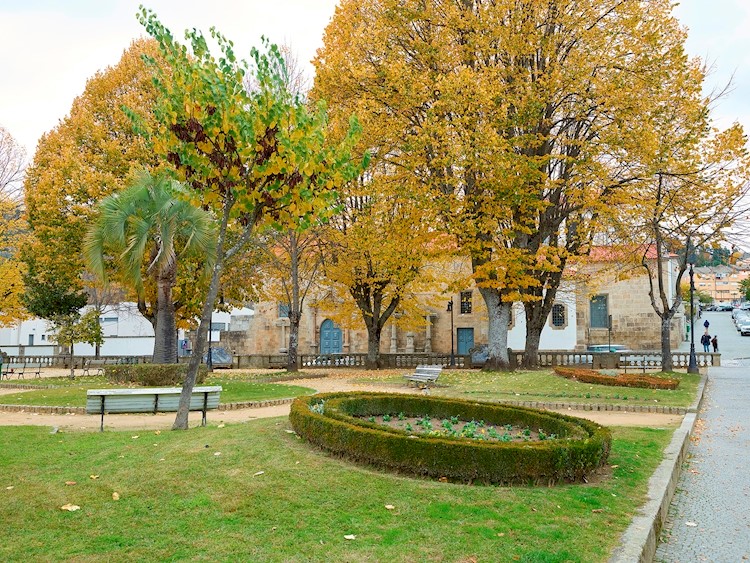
[(450, 310), (692, 363)]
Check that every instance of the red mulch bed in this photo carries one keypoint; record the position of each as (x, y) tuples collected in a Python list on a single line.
[(620, 380)]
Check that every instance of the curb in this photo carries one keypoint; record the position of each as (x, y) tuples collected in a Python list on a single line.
[(639, 541)]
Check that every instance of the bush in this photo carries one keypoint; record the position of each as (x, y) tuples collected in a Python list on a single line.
[(621, 380), (329, 421), (151, 375)]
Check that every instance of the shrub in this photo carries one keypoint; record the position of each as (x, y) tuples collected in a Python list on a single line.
[(151, 375), (621, 380), (330, 422)]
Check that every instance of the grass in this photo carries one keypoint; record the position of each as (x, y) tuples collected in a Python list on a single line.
[(72, 393), (543, 385), (180, 500)]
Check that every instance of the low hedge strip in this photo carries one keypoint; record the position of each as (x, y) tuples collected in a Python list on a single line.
[(621, 380), (583, 445), (151, 375)]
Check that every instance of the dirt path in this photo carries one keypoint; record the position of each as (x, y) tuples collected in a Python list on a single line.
[(163, 421)]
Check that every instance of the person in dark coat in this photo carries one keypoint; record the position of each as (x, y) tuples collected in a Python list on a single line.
[(715, 342), (706, 341)]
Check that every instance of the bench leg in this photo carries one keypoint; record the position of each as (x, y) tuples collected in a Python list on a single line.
[(205, 407), (101, 426)]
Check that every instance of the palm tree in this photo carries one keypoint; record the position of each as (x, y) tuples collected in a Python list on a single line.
[(139, 230)]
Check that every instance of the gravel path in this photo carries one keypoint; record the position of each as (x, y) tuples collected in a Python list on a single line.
[(339, 381)]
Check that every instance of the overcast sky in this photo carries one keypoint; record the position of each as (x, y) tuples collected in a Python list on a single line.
[(48, 48)]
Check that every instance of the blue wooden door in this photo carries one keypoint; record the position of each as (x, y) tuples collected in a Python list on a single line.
[(330, 338), (465, 338)]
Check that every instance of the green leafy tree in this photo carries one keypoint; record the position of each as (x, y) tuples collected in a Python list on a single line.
[(74, 327), (252, 157), (146, 230)]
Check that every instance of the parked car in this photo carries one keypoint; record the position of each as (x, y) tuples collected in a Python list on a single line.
[(607, 348), (723, 307), (220, 358), (743, 327)]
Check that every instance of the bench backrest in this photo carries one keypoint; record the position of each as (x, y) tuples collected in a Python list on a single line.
[(153, 399), (428, 370)]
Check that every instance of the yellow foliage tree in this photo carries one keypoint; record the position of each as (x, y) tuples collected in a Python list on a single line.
[(512, 118), (12, 163)]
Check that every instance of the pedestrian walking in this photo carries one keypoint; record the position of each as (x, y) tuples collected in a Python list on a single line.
[(706, 341), (715, 343)]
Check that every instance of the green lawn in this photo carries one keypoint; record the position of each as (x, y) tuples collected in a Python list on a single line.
[(200, 495), (543, 385), (73, 392)]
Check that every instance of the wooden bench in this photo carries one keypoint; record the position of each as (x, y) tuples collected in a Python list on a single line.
[(94, 363), (424, 375), (149, 399), (19, 369)]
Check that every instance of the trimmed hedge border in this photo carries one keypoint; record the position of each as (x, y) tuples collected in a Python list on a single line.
[(621, 380), (152, 375), (583, 445)]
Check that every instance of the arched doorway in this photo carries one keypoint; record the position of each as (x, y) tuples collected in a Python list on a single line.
[(330, 338)]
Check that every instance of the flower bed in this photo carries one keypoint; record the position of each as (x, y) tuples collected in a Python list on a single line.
[(620, 380), (340, 423)]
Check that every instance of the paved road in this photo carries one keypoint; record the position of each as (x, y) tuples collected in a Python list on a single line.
[(709, 519)]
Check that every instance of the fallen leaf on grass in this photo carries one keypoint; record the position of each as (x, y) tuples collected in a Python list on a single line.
[(389, 507), (217, 453), (93, 476), (221, 425), (350, 537), (69, 483), (115, 496), (501, 534), (70, 507), (597, 510), (258, 473), (135, 437), (9, 488), (157, 432), (290, 431)]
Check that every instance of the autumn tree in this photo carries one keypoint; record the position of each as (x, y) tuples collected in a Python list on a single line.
[(147, 231), (253, 158), (12, 163), (508, 117), (376, 252), (692, 180), (87, 156)]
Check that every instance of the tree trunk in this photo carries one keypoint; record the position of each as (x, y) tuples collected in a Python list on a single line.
[(183, 410), (666, 345), (373, 345), (294, 320), (72, 365), (165, 341), (536, 312), (499, 319)]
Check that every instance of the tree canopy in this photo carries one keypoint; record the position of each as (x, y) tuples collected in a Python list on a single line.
[(252, 157)]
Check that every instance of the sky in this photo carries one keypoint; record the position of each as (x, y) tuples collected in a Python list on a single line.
[(49, 48)]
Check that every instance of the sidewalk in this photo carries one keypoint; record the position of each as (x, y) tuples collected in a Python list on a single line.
[(709, 519)]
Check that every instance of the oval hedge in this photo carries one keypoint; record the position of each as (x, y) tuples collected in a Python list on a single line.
[(329, 420)]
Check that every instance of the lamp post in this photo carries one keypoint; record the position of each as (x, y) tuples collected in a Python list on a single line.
[(450, 310), (692, 363)]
